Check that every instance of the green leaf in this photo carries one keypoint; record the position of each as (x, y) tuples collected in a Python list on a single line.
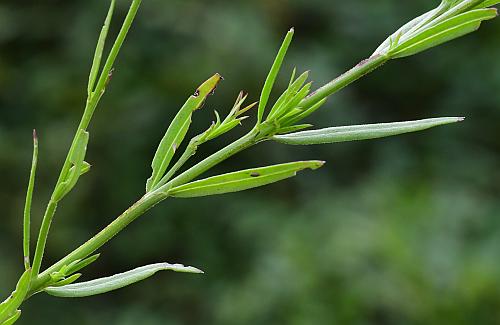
[(8, 307), (242, 180), (13, 318), (486, 4), (82, 263), (27, 205), (67, 280), (96, 63), (283, 101), (273, 73), (409, 27), (117, 281), (76, 157), (361, 132), (295, 101), (302, 114), (177, 131), (445, 31)]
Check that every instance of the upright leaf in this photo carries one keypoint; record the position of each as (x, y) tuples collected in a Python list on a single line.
[(117, 281), (273, 73), (96, 63), (178, 129), (361, 132), (27, 205), (242, 180), (290, 92)]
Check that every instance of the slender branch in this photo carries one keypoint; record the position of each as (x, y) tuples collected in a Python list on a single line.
[(151, 199), (90, 107)]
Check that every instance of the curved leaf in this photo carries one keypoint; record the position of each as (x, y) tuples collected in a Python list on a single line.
[(117, 281), (242, 180), (361, 132)]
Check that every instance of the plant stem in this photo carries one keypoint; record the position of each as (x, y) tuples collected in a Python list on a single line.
[(91, 104), (151, 199), (363, 68)]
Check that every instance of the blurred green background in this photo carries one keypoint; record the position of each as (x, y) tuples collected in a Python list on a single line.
[(402, 230)]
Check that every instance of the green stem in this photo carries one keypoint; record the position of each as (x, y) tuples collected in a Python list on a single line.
[(90, 107), (363, 68)]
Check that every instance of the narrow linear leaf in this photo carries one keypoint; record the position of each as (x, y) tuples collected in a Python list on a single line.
[(302, 114), (96, 63), (67, 280), (361, 132), (446, 31), (80, 264), (409, 27), (285, 98), (177, 130), (9, 306), (294, 102), (117, 281), (273, 73), (242, 180), (486, 4), (27, 205)]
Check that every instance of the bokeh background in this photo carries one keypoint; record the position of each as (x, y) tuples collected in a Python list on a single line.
[(403, 230)]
